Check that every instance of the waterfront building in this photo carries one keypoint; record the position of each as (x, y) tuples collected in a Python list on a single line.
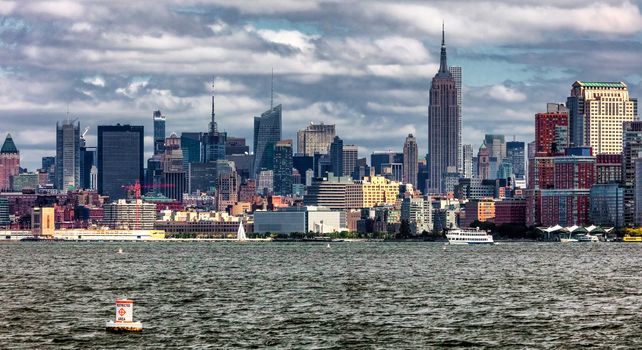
[(120, 158), (510, 211), (330, 192), (418, 213), (371, 192), (298, 220), (632, 147), (283, 168), (444, 124), (9, 163), (410, 160), (478, 209), (159, 132), (132, 215), (315, 138), (607, 205), (4, 212), (267, 132), (67, 155), (550, 131), (608, 168), (516, 155), (227, 189), (597, 111), (350, 156), (467, 156), (476, 188), (378, 159), (336, 156)]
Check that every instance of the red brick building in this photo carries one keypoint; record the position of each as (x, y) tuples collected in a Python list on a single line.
[(510, 211), (549, 128)]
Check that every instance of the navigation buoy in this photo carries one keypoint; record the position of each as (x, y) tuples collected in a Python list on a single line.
[(120, 250), (124, 321)]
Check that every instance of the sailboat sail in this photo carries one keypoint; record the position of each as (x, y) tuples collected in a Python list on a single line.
[(240, 235)]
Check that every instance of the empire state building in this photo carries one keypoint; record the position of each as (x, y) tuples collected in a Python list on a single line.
[(444, 125)]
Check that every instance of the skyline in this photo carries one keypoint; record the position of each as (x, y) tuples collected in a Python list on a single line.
[(361, 67)]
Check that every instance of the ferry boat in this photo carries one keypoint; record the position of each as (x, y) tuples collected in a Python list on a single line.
[(469, 236)]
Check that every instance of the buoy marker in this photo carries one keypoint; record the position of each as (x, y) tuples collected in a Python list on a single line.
[(124, 321)]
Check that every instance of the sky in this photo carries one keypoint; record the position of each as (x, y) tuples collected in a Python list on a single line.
[(365, 66)]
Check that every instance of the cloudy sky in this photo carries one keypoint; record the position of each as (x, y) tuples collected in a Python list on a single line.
[(364, 65)]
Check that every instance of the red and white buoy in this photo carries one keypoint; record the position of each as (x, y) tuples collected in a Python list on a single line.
[(124, 321)]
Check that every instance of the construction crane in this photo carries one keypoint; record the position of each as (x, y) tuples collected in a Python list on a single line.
[(136, 189), (84, 133)]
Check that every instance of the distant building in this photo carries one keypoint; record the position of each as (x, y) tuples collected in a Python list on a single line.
[(25, 181), (135, 215), (9, 163), (483, 162), (467, 156), (510, 211), (350, 156), (632, 147), (410, 160), (49, 165), (191, 146), (550, 129), (120, 158), (159, 132), (607, 205), (227, 190), (378, 159), (283, 168), (336, 156), (418, 213), (267, 132), (265, 182), (608, 168), (444, 124), (213, 141), (67, 155), (516, 155), (315, 138), (496, 145), (597, 111), (236, 145)]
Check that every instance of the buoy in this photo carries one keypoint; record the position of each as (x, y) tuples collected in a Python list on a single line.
[(120, 250), (328, 245), (124, 321)]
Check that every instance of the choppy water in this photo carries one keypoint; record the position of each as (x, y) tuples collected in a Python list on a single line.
[(352, 295)]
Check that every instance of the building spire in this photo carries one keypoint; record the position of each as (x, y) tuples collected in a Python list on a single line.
[(213, 126), (272, 90), (443, 65)]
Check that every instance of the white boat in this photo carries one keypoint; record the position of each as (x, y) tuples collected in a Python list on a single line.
[(469, 236), (568, 240), (240, 234)]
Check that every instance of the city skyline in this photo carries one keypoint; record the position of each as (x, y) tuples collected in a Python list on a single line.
[(360, 75)]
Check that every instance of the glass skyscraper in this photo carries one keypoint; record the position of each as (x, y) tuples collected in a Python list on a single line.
[(120, 158), (267, 132), (283, 168), (159, 132), (67, 155)]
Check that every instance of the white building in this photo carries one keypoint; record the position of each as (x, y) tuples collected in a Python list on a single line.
[(418, 213)]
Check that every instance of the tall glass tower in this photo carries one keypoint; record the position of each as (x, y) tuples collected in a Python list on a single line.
[(120, 158), (67, 155), (159, 132), (267, 132)]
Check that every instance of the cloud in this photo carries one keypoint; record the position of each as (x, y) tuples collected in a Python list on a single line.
[(503, 93)]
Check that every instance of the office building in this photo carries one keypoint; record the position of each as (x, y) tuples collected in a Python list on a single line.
[(467, 156), (336, 156), (551, 130), (25, 181), (159, 132), (483, 162), (133, 215), (608, 168), (410, 161), (632, 147), (418, 213), (315, 138), (267, 132), (597, 111), (120, 158), (9, 163), (191, 146), (227, 189), (607, 205), (516, 156), (377, 159), (283, 168), (350, 156), (444, 124), (236, 145), (67, 155), (496, 146)]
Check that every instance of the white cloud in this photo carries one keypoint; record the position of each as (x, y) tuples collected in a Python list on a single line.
[(95, 81), (133, 88), (62, 8), (505, 94)]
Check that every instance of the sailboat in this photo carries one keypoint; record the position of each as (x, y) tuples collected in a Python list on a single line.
[(240, 234)]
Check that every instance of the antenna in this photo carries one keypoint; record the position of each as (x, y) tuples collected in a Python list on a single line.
[(213, 126), (272, 90)]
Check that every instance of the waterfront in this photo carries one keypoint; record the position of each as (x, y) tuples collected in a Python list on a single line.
[(298, 295)]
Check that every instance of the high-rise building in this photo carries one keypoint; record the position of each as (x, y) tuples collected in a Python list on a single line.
[(444, 124), (173, 172), (315, 138), (236, 145), (87, 161), (135, 215), (607, 205), (410, 161), (265, 182), (267, 132), (550, 129), (496, 146), (467, 156), (213, 141), (283, 168), (483, 162), (632, 147), (596, 113), (227, 189), (418, 213), (515, 154), (377, 159), (49, 165), (9, 163), (159, 132), (350, 156), (336, 156), (456, 72), (67, 155), (120, 158), (191, 146), (609, 168)]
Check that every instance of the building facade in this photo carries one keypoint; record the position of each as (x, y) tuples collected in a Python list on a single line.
[(67, 155), (410, 161), (283, 168), (315, 138), (267, 132), (9, 163), (120, 158)]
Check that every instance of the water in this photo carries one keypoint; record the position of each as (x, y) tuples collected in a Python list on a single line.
[(352, 295)]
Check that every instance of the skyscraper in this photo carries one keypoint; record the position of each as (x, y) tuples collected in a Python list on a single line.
[(467, 154), (550, 131), (457, 75), (159, 132), (315, 138), (267, 132), (120, 158), (483, 162), (378, 159), (227, 190), (336, 156), (191, 146), (213, 141), (67, 155), (350, 156), (283, 168), (496, 146), (9, 162), (410, 161), (515, 154), (596, 113), (632, 146), (444, 124)]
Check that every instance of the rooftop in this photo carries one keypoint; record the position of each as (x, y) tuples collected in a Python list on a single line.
[(602, 84), (9, 146)]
